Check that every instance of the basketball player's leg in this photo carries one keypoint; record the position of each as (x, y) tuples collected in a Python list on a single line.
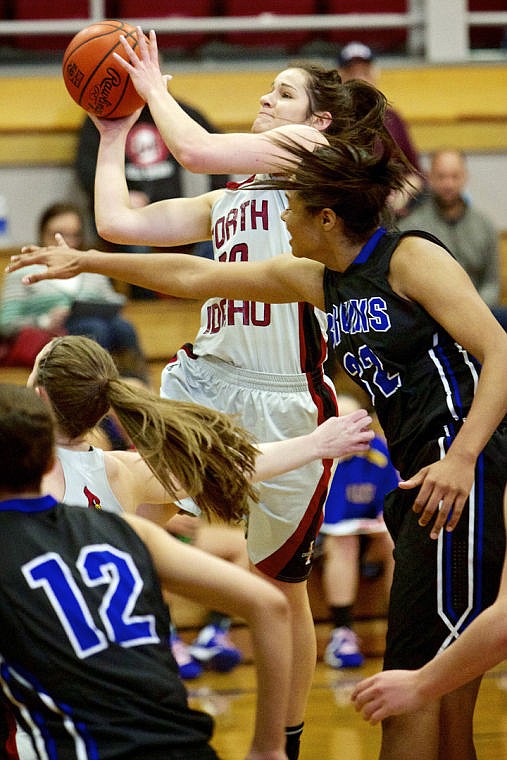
[(304, 657), (456, 723), (304, 648), (286, 560), (443, 730), (413, 735)]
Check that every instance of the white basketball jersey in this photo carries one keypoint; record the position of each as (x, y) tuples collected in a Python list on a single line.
[(271, 338), (86, 483)]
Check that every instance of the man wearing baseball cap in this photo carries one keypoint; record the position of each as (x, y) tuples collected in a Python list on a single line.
[(353, 53)]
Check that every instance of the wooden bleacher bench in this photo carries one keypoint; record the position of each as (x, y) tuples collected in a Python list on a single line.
[(163, 325), (461, 105)]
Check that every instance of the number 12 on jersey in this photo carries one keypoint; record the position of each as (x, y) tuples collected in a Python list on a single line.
[(97, 564)]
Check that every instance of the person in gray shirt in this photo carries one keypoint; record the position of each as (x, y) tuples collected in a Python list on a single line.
[(468, 233)]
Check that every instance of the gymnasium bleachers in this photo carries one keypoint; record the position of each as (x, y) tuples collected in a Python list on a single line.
[(129, 9), (290, 40), (387, 40), (390, 39), (484, 36)]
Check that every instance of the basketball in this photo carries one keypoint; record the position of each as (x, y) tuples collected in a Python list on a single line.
[(93, 78)]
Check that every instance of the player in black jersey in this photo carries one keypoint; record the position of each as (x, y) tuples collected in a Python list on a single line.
[(84, 642), (408, 327)]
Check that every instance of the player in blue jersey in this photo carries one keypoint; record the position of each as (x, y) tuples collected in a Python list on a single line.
[(84, 643), (408, 326), (482, 646)]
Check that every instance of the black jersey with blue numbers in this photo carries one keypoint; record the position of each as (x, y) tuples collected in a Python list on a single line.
[(421, 381), (84, 639)]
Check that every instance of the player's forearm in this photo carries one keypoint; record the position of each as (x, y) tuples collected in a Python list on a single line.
[(112, 201), (187, 140), (178, 275), (203, 152), (480, 647), (278, 457)]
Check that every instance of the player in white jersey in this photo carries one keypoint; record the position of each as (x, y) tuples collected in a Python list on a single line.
[(80, 381), (257, 361), (85, 479), (266, 338), (264, 363)]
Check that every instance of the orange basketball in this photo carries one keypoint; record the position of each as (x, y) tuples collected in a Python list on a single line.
[(94, 79)]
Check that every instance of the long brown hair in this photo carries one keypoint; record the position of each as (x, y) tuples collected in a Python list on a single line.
[(210, 456), (354, 174), (352, 105)]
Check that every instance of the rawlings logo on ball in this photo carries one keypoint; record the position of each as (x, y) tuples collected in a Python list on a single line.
[(100, 96)]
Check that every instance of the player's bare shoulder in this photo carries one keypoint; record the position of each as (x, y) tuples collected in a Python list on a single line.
[(122, 470), (302, 134)]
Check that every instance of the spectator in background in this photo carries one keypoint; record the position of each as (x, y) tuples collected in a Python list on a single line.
[(448, 213), (152, 172), (86, 305), (356, 61), (353, 531)]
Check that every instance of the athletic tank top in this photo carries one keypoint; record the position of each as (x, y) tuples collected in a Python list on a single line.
[(271, 338), (84, 637), (86, 483), (420, 380)]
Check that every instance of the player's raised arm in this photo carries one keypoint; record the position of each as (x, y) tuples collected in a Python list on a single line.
[(195, 148)]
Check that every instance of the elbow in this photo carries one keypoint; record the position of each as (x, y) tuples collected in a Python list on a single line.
[(194, 158), (111, 231), (105, 229)]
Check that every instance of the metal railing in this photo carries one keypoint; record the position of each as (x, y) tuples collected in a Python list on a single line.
[(441, 27)]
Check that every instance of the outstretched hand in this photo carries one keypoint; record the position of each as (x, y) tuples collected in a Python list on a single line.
[(389, 693), (61, 261), (344, 435), (444, 487)]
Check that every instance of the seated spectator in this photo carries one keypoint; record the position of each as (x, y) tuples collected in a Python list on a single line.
[(356, 61), (84, 305), (354, 536), (449, 214)]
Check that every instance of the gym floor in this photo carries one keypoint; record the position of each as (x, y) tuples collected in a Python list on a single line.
[(333, 730)]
